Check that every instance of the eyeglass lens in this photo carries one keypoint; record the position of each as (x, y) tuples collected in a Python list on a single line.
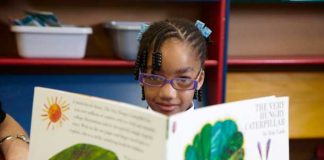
[(177, 83)]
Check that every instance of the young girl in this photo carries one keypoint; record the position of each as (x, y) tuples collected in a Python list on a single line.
[(170, 64)]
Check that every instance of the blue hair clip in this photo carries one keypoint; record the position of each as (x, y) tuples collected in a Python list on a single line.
[(144, 27), (205, 31)]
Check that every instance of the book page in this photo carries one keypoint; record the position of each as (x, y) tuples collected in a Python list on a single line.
[(73, 126), (250, 130)]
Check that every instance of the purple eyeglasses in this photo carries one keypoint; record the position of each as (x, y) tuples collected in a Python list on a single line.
[(180, 84)]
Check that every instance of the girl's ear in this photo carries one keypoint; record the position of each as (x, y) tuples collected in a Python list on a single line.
[(201, 79)]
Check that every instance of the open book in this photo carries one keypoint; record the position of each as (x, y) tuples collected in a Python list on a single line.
[(69, 126)]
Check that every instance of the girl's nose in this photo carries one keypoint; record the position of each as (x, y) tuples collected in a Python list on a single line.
[(167, 91)]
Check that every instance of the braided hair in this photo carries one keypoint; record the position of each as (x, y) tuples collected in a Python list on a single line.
[(158, 32)]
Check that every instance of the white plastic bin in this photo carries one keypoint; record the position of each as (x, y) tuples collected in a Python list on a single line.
[(124, 34), (51, 42)]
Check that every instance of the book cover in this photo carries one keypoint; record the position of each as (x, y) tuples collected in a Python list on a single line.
[(69, 126)]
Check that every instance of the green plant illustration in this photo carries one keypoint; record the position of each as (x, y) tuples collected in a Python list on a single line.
[(221, 141), (85, 152)]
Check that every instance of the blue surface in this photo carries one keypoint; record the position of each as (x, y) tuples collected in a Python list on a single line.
[(225, 50), (16, 91)]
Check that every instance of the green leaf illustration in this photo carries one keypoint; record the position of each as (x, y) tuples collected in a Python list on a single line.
[(221, 141), (85, 152)]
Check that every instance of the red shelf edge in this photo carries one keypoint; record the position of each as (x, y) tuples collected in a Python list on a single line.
[(63, 62), (75, 62), (276, 61), (211, 63)]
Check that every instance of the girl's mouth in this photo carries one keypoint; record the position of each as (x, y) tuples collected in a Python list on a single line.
[(166, 107)]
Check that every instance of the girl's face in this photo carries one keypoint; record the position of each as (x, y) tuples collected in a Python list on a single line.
[(179, 60)]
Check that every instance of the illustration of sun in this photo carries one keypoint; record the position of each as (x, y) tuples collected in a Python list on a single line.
[(54, 111)]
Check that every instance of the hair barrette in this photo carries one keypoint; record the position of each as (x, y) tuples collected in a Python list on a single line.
[(144, 27), (205, 31)]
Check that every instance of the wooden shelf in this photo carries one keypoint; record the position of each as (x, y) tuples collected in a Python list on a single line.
[(275, 61), (76, 62)]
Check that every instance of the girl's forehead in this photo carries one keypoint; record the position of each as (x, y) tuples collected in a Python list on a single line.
[(178, 70), (178, 57)]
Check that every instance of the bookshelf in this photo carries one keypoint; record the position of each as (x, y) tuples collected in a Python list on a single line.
[(277, 49), (100, 63)]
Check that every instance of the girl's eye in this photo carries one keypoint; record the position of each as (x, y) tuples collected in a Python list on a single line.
[(154, 78), (187, 80), (186, 77)]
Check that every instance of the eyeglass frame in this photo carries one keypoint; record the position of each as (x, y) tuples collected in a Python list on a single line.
[(170, 81)]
